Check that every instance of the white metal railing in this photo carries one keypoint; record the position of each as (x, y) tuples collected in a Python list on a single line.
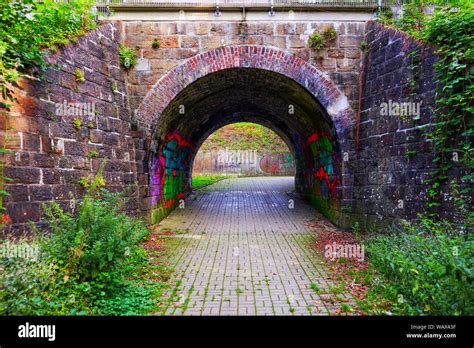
[(256, 3), (238, 3)]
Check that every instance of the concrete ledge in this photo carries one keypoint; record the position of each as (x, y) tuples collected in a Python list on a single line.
[(152, 14)]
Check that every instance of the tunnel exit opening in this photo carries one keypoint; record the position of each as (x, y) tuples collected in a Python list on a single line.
[(242, 149)]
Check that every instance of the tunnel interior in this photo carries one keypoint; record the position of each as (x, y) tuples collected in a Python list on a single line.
[(244, 95), (243, 149)]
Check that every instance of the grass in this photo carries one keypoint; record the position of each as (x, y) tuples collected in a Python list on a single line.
[(315, 287), (204, 180)]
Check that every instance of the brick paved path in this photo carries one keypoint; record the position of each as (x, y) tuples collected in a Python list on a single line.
[(240, 250)]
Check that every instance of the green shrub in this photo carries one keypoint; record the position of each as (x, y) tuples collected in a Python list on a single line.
[(29, 26), (92, 154), (23, 282), (316, 41), (87, 264), (79, 74), (412, 19), (94, 242), (128, 58), (319, 40), (426, 269), (77, 123)]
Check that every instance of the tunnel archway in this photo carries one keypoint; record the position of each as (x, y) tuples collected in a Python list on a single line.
[(246, 84)]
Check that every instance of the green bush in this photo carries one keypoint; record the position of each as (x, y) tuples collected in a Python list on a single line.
[(426, 269), (24, 282), (94, 242), (319, 40), (88, 264), (412, 19), (27, 27), (329, 34)]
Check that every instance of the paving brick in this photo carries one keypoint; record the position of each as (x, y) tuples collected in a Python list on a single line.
[(276, 267)]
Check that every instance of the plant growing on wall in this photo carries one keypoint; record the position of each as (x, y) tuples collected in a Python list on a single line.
[(77, 123), (316, 41), (319, 40), (329, 34), (128, 58), (92, 154), (412, 19), (28, 28), (155, 43), (451, 31), (79, 75)]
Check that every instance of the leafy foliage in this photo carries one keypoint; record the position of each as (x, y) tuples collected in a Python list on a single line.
[(92, 262), (128, 57), (79, 74), (450, 29), (155, 43), (329, 34), (319, 40), (28, 29), (245, 136), (412, 19), (316, 41), (424, 269)]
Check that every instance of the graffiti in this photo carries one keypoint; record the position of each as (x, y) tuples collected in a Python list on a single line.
[(243, 162), (168, 171), (323, 169), (227, 156), (278, 164)]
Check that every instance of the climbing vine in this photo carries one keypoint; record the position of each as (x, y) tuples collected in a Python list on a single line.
[(451, 30), (29, 30)]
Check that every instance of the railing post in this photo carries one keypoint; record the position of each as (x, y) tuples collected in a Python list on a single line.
[(217, 12), (271, 13)]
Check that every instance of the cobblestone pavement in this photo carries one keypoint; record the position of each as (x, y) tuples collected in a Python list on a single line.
[(240, 250)]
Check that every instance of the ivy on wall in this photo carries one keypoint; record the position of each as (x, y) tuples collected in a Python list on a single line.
[(29, 30), (451, 30)]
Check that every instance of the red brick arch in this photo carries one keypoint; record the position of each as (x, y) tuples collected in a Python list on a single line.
[(246, 56)]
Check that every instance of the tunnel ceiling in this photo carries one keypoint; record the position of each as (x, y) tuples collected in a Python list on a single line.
[(243, 94)]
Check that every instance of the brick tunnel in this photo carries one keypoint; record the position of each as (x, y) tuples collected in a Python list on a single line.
[(246, 84), (150, 121)]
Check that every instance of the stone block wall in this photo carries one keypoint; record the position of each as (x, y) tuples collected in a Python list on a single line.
[(64, 126), (62, 129), (340, 60), (394, 157)]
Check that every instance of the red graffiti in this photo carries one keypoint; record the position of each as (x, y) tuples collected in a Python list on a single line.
[(323, 175), (322, 151), (169, 175), (278, 164)]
